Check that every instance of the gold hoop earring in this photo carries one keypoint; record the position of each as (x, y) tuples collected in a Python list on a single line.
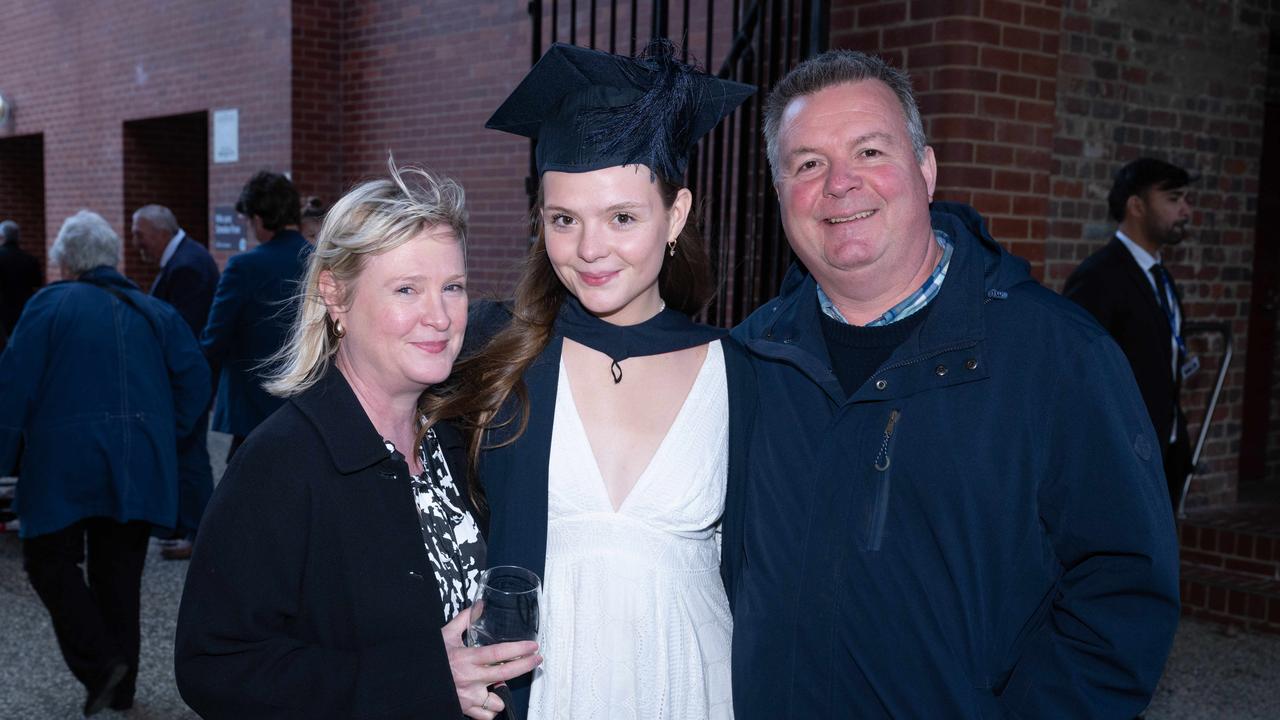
[(339, 331), (671, 247)]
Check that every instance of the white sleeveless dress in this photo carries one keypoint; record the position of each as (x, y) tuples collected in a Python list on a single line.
[(634, 622)]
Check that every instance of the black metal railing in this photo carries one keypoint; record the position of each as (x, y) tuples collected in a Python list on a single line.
[(754, 42)]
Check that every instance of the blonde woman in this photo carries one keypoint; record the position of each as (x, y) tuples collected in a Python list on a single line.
[(339, 551)]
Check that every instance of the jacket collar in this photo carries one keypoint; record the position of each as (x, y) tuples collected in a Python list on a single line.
[(107, 275), (980, 272), (343, 425)]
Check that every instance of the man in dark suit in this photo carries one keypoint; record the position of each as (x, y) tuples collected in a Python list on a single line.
[(187, 279), (20, 277), (1127, 288), (252, 313)]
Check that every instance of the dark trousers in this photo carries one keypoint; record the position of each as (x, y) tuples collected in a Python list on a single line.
[(96, 624)]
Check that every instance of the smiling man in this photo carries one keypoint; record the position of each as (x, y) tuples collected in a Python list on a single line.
[(954, 503), (1127, 288)]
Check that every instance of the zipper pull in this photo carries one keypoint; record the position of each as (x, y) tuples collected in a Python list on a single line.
[(882, 457)]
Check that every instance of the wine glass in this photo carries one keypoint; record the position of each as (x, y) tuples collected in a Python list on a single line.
[(506, 606)]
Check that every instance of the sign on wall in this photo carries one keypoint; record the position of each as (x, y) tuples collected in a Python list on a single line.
[(228, 230), (226, 135)]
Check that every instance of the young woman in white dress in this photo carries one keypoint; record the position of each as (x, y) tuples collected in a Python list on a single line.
[(599, 411)]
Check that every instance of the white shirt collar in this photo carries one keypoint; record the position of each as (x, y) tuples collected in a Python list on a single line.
[(171, 248), (1144, 258)]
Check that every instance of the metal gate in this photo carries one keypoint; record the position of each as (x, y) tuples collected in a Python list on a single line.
[(751, 41)]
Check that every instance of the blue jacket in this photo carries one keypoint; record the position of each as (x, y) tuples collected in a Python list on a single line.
[(248, 323), (981, 530), (98, 393), (187, 282)]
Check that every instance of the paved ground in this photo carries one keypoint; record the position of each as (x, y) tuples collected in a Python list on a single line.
[(1210, 675)]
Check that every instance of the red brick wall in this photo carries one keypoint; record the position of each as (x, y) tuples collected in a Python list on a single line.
[(316, 101), (166, 163), (77, 72), (418, 80), (1031, 106), (985, 75), (22, 189), (1184, 85)]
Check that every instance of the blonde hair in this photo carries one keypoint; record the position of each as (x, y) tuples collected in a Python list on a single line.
[(374, 218)]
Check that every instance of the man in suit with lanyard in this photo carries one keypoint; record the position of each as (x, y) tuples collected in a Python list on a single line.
[(187, 279), (1128, 289)]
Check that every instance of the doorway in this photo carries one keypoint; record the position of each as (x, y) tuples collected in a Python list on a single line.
[(1260, 437), (166, 162)]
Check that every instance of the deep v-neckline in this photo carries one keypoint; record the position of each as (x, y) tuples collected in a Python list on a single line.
[(580, 428)]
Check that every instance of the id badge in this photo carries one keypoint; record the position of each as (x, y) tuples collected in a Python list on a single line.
[(1190, 367)]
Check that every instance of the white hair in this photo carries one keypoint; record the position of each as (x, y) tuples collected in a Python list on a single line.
[(160, 217), (84, 242)]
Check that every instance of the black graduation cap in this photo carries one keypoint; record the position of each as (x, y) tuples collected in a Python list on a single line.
[(590, 110)]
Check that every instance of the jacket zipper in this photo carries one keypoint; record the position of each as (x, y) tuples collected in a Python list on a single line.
[(883, 460)]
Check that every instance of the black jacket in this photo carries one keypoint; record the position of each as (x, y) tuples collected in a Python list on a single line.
[(1113, 288), (310, 593), (20, 277)]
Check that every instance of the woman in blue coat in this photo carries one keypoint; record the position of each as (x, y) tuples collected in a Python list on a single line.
[(98, 382)]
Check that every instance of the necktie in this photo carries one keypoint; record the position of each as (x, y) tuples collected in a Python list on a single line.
[(1164, 282)]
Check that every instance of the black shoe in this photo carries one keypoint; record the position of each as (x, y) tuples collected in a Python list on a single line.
[(100, 695)]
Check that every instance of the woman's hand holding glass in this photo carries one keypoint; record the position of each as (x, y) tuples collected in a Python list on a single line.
[(476, 668)]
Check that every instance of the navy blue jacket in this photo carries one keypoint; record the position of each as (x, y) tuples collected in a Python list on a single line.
[(310, 593), (99, 392), (981, 530), (187, 283), (248, 323)]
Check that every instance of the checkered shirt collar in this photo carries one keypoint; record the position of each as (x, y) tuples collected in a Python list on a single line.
[(912, 303)]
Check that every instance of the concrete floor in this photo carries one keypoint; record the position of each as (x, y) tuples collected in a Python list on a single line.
[(1210, 675)]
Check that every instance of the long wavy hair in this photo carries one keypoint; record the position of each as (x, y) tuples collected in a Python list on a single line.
[(484, 382)]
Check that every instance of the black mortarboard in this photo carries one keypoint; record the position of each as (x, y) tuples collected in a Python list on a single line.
[(1141, 175), (590, 110)]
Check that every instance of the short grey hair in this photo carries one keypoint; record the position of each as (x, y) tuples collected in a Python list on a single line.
[(86, 241), (836, 67), (160, 217), (374, 218), (9, 229)]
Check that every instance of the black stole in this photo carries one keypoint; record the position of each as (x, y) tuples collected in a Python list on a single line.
[(668, 331)]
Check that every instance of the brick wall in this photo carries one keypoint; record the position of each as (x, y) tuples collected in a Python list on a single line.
[(986, 78), (318, 28), (418, 80), (166, 163), (1141, 78), (22, 189), (1270, 12), (77, 72), (1031, 106)]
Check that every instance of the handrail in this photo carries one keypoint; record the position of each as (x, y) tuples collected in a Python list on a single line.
[(1223, 329)]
